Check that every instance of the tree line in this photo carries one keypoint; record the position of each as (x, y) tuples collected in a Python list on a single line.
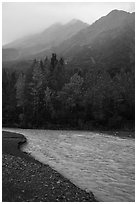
[(52, 95)]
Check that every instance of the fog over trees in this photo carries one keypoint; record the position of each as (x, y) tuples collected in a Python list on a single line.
[(86, 81)]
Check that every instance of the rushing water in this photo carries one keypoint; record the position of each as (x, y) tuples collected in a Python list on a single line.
[(100, 163)]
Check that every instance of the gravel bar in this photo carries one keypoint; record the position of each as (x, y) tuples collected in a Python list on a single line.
[(25, 179)]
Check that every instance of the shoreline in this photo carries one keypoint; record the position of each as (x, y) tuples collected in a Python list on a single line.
[(26, 179), (115, 133), (72, 128)]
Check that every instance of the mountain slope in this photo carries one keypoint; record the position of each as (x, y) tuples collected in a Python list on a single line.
[(111, 21), (52, 36), (9, 54), (112, 50), (108, 43)]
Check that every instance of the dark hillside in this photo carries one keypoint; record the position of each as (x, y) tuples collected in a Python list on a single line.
[(113, 21), (112, 50)]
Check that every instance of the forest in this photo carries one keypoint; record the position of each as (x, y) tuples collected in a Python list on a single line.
[(51, 94)]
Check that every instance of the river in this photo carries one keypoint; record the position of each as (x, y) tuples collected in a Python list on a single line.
[(96, 162)]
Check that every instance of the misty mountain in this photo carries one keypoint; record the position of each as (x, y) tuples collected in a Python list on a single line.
[(9, 54), (117, 29), (113, 21), (112, 49), (50, 37), (108, 43)]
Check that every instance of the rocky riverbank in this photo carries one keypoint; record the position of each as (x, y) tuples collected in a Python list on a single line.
[(26, 179)]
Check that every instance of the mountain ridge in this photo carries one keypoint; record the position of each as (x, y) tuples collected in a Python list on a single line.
[(72, 43), (50, 37), (111, 21)]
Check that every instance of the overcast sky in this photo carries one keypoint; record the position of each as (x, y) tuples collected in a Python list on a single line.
[(22, 19)]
